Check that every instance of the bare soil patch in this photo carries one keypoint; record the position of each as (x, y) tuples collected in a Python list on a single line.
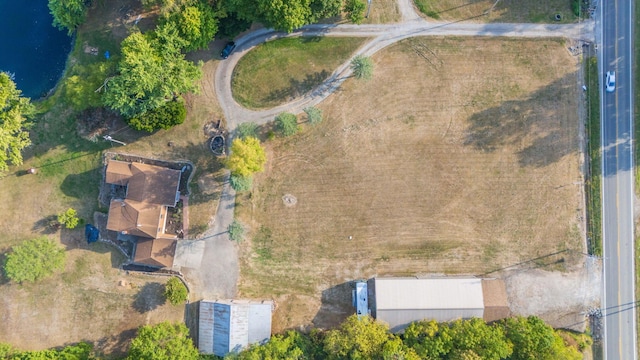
[(460, 156)]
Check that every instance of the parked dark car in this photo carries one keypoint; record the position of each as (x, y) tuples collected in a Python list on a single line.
[(227, 49)]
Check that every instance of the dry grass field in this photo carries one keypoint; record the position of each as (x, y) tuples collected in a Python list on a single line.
[(504, 11), (460, 156)]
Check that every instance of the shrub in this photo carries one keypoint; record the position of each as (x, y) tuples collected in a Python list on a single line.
[(246, 130), (314, 115), (286, 124), (165, 117), (69, 218), (175, 291), (33, 260), (362, 67), (241, 183), (236, 231)]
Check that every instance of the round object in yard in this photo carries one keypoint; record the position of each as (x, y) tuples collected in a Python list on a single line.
[(217, 145)]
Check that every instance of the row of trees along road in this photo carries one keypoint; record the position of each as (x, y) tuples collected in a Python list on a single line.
[(361, 338)]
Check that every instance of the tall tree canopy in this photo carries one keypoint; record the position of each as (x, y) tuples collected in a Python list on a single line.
[(152, 71), (68, 14), (14, 111), (164, 341), (285, 15), (533, 339), (357, 338), (196, 24)]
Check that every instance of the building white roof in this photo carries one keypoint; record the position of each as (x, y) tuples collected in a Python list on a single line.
[(415, 294)]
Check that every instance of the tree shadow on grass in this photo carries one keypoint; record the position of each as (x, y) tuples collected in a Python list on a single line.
[(542, 135), (297, 88), (46, 226), (336, 306), (149, 297), (114, 346)]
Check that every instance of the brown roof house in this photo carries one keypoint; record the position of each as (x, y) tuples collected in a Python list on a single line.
[(142, 214)]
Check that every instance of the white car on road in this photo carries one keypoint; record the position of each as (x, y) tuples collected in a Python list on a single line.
[(610, 81)]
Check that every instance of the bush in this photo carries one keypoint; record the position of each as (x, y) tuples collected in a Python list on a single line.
[(362, 67), (287, 124), (246, 130), (69, 218), (241, 183), (236, 231), (314, 115), (33, 260), (165, 117), (175, 291)]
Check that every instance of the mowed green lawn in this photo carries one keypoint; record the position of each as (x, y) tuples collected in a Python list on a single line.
[(280, 70)]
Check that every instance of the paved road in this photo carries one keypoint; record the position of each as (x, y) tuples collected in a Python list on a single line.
[(382, 36), (617, 186)]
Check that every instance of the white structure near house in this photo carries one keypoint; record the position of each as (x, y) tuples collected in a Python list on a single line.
[(232, 325), (401, 301)]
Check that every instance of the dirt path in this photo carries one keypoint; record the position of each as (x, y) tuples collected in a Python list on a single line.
[(383, 36)]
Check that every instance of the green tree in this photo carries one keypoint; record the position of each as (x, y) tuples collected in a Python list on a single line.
[(290, 345), (68, 14), (14, 112), (322, 9), (152, 72), (247, 157), (533, 339), (245, 130), (164, 341), (357, 338), (236, 231), (362, 67), (241, 183), (33, 260), (168, 115), (314, 115), (175, 291), (196, 24), (285, 15), (488, 342), (69, 218), (286, 124), (355, 10), (395, 349), (429, 339)]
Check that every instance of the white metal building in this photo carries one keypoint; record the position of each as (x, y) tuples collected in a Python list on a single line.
[(231, 325), (400, 301)]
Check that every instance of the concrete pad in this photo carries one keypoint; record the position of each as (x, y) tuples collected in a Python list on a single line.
[(188, 254)]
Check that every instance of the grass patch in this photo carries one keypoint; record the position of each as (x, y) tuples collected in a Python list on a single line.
[(542, 11), (594, 177), (425, 7), (279, 70)]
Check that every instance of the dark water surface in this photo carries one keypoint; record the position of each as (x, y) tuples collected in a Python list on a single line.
[(30, 47)]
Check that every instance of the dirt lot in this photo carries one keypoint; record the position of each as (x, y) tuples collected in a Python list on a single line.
[(460, 156)]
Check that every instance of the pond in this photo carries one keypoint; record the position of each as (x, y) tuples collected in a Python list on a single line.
[(31, 49)]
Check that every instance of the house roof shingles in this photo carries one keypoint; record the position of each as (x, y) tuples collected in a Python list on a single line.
[(150, 189), (155, 252)]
